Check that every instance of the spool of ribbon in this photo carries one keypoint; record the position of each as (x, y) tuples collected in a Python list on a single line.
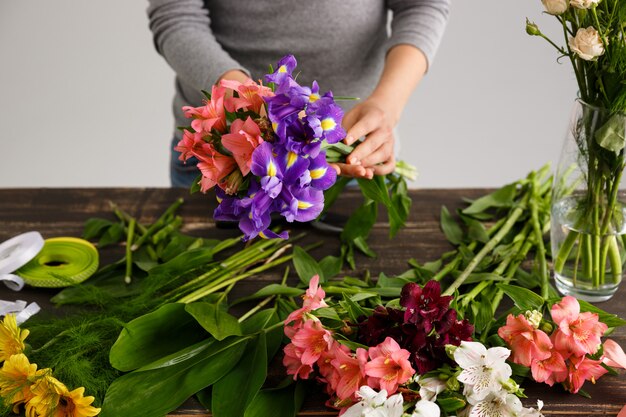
[(20, 308), (63, 261), (15, 253)]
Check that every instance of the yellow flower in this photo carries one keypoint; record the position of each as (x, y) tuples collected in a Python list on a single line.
[(53, 399), (11, 338), (16, 377)]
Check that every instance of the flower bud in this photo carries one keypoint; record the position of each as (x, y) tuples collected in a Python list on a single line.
[(587, 44), (584, 4), (450, 349), (534, 318), (453, 384), (511, 386), (555, 7), (546, 327), (532, 29), (232, 182)]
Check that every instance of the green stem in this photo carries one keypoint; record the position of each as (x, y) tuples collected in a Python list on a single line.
[(489, 246), (615, 259), (256, 308), (129, 253), (161, 222), (541, 250)]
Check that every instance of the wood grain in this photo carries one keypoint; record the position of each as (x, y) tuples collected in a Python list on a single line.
[(62, 212)]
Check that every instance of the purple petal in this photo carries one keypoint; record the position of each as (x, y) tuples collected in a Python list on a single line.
[(323, 176), (309, 203), (263, 162)]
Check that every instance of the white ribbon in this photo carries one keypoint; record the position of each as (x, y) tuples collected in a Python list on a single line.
[(22, 311), (15, 253)]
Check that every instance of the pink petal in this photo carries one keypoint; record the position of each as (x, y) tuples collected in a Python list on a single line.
[(567, 309), (614, 354)]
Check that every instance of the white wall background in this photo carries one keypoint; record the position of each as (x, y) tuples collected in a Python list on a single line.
[(85, 99)]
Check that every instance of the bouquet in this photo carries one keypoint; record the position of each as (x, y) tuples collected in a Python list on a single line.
[(266, 149), (587, 202)]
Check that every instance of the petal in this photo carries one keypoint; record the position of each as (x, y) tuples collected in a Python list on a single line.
[(567, 310), (614, 354)]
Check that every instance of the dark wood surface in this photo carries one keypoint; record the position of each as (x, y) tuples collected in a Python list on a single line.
[(62, 212)]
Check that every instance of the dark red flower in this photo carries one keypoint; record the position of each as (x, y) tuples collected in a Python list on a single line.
[(424, 304)]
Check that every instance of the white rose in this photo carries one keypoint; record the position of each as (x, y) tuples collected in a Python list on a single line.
[(587, 44), (583, 4), (556, 7)]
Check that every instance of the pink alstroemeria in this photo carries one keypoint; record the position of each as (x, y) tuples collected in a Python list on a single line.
[(189, 145), (583, 369), (351, 371), (243, 139), (250, 95), (550, 370), (312, 339), (293, 362), (578, 333), (614, 354), (214, 166), (526, 342), (389, 366), (312, 300), (211, 115), (328, 373)]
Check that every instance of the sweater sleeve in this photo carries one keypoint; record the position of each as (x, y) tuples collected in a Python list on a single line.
[(182, 35), (420, 23)]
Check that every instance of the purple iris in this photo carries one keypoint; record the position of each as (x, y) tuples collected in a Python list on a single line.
[(322, 176), (327, 121), (284, 68)]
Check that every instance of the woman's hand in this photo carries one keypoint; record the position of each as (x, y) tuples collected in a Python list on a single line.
[(375, 155)]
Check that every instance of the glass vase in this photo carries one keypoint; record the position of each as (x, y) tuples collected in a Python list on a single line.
[(588, 230)]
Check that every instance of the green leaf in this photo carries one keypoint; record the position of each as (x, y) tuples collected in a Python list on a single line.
[(263, 320), (186, 262), (112, 235), (483, 276), (390, 282), (519, 370), (154, 335), (156, 392), (195, 185), (451, 404), (330, 266), (360, 222), (204, 398), (611, 135), (94, 227), (233, 392), (475, 229), (330, 195), (523, 298), (450, 227), (327, 313), (269, 290), (215, 319), (278, 402), (306, 266), (361, 244), (609, 319), (504, 197), (354, 310)]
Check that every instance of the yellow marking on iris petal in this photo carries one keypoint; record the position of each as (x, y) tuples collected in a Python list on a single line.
[(274, 126), (219, 200), (303, 205), (328, 124), (317, 173), (282, 68), (263, 235), (292, 157), (313, 97), (271, 169)]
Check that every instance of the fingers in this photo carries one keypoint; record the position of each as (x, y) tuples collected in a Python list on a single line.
[(370, 121), (386, 168), (353, 171), (370, 144), (379, 156)]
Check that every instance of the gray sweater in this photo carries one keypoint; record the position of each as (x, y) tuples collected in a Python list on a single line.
[(340, 43)]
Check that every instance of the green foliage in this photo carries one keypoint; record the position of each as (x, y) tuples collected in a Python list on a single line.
[(215, 319)]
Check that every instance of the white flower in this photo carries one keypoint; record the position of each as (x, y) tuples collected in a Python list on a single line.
[(484, 370), (531, 412), (583, 4), (375, 404), (555, 7), (587, 44), (534, 318), (430, 388), (425, 408), (496, 404)]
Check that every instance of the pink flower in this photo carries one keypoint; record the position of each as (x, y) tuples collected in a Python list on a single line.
[(389, 366), (351, 371), (614, 355), (578, 333), (293, 363), (250, 95), (243, 139), (214, 166), (526, 342), (313, 299), (211, 115), (313, 340), (189, 145), (550, 370), (328, 372), (583, 369)]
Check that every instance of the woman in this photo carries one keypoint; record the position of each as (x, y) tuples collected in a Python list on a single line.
[(343, 44)]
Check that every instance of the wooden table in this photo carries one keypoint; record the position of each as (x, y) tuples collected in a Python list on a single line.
[(61, 212)]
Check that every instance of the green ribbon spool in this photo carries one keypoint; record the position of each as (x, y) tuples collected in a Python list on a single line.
[(62, 262)]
